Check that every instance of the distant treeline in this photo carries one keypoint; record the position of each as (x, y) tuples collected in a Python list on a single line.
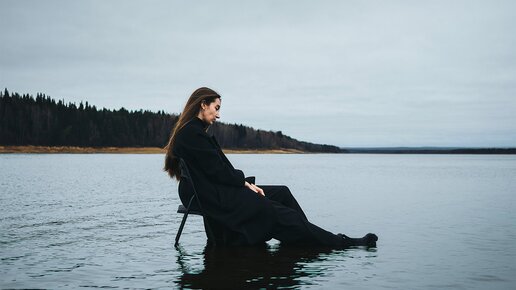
[(432, 150), (43, 121)]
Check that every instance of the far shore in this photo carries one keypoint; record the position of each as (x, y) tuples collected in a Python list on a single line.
[(29, 149), (123, 150)]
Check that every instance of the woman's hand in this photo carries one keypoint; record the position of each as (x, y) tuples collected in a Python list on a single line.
[(254, 188)]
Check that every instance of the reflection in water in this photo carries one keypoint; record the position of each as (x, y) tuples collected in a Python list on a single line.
[(255, 267)]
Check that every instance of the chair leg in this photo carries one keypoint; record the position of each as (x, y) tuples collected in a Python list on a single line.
[(178, 235)]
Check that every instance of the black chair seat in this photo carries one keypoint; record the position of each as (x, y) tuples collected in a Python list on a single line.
[(182, 209)]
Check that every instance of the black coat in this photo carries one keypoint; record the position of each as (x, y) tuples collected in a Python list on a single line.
[(220, 186)]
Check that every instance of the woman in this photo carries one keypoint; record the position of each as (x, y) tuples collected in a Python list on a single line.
[(238, 211)]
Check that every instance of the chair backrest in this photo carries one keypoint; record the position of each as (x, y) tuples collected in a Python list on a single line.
[(185, 173), (184, 170)]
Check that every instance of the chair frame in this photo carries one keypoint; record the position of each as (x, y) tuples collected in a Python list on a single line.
[(185, 174)]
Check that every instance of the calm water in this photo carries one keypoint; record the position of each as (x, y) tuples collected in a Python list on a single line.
[(100, 220)]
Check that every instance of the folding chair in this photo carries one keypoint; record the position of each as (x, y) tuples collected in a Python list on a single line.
[(186, 177)]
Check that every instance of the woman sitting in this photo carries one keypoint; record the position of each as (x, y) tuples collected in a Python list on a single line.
[(238, 211)]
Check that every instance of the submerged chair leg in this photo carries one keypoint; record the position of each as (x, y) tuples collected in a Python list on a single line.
[(178, 235)]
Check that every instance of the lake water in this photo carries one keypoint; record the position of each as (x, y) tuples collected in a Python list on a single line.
[(101, 220)]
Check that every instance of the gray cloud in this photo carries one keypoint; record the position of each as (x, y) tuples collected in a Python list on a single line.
[(350, 73)]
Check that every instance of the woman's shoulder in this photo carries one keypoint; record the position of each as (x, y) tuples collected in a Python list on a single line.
[(192, 128)]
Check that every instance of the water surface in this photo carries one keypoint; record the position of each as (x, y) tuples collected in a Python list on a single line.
[(102, 220)]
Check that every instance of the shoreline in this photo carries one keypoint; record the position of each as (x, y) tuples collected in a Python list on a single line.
[(30, 149)]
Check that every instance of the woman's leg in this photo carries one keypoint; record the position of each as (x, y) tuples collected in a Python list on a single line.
[(282, 194), (293, 226)]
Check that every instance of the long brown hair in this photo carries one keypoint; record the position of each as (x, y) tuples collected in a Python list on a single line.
[(191, 110)]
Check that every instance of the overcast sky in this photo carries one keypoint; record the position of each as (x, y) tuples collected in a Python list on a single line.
[(347, 73)]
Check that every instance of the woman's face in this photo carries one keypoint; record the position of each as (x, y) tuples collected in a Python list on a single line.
[(210, 113)]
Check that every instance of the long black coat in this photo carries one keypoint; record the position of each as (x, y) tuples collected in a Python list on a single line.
[(220, 186)]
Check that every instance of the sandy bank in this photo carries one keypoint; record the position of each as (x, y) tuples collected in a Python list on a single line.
[(122, 150)]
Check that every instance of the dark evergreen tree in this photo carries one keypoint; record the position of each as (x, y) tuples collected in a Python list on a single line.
[(42, 121)]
